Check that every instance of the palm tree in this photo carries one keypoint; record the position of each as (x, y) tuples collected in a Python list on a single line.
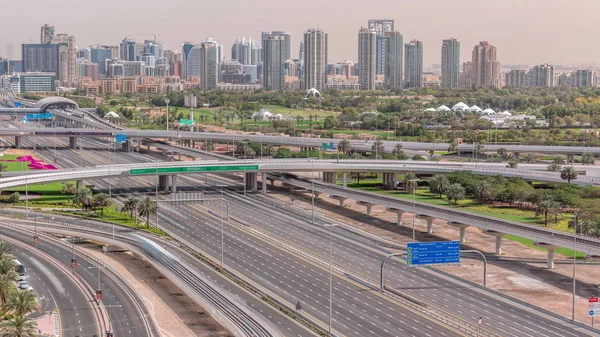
[(529, 158), (146, 208), (3, 167), (410, 182), (19, 326), (7, 265), (397, 149), (358, 176), (483, 192), (83, 197), (130, 205), (560, 160), (512, 163), (100, 201), (69, 189), (438, 184), (5, 250), (377, 148), (7, 285), (554, 167), (455, 193), (502, 152), (453, 147), (545, 208), (568, 173), (344, 146), (21, 302), (588, 158)]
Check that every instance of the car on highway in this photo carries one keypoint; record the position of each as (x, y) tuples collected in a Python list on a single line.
[(23, 285)]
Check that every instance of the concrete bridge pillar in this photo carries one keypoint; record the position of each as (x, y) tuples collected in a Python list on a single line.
[(163, 182), (498, 237), (329, 177), (570, 158), (341, 199), (18, 142), (366, 204), (345, 179), (264, 182), (251, 180), (429, 220), (550, 249), (73, 142), (399, 213), (463, 230), (78, 184), (174, 183)]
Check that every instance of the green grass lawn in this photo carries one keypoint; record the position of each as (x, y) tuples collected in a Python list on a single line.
[(50, 195), (13, 166), (512, 214)]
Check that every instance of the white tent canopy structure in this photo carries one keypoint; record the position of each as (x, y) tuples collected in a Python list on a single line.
[(443, 108), (505, 113), (460, 107), (111, 115), (430, 110), (475, 108), (489, 111)]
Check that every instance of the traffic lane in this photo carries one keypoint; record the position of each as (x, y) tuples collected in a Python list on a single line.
[(55, 289), (126, 320), (293, 279)]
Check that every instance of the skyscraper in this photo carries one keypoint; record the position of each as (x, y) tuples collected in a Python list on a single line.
[(287, 36), (242, 51), (381, 27), (516, 78), (128, 50), (187, 58), (450, 63), (46, 34), (67, 58), (315, 59), (367, 42), (394, 60), (40, 58), (413, 66), (541, 76), (583, 78), (209, 69), (273, 62), (486, 68), (99, 55)]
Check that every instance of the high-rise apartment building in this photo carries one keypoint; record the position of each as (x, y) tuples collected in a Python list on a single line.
[(315, 59), (541, 76), (486, 68), (128, 50), (46, 34), (381, 27), (40, 57), (413, 64), (273, 62), (191, 60), (367, 42), (67, 58), (287, 37), (516, 78), (465, 76), (394, 60), (247, 52), (450, 63), (583, 78), (209, 68), (99, 55)]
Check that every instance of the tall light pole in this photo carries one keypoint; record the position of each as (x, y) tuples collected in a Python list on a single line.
[(330, 276), (222, 229), (416, 181), (167, 101), (576, 219)]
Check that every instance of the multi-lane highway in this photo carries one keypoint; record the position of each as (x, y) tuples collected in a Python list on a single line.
[(253, 256)]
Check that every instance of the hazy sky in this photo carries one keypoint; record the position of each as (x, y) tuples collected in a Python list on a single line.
[(525, 31)]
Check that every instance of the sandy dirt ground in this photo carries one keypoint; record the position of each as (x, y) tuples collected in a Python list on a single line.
[(550, 289), (176, 314)]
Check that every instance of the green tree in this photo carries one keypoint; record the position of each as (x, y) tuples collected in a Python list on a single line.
[(3, 167), (438, 184), (14, 198), (554, 167), (344, 146), (546, 208), (19, 326), (483, 193), (453, 147), (101, 200), (358, 176), (146, 208), (560, 160), (568, 173), (588, 158), (512, 163), (69, 189), (83, 197), (7, 266), (377, 149), (130, 205), (5, 250), (21, 302), (455, 192), (529, 158), (410, 182), (502, 152), (283, 152), (7, 285)]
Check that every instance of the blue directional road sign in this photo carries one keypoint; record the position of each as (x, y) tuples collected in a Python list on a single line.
[(120, 138), (429, 253), (47, 115), (331, 147), (18, 104), (25, 119)]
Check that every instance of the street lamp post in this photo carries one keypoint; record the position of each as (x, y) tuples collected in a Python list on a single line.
[(222, 228), (330, 276), (414, 207), (576, 219)]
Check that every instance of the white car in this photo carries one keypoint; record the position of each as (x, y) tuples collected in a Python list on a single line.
[(23, 285)]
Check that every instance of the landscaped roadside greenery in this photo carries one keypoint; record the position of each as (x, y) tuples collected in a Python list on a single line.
[(14, 304)]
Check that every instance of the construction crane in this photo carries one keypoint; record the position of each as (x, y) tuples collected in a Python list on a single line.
[(150, 34)]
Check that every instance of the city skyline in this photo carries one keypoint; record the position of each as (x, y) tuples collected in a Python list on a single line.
[(537, 46)]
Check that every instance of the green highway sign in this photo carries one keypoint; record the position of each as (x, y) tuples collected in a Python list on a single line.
[(324, 146), (183, 121), (193, 169)]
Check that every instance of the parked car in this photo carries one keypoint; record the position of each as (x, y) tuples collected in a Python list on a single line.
[(23, 285)]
